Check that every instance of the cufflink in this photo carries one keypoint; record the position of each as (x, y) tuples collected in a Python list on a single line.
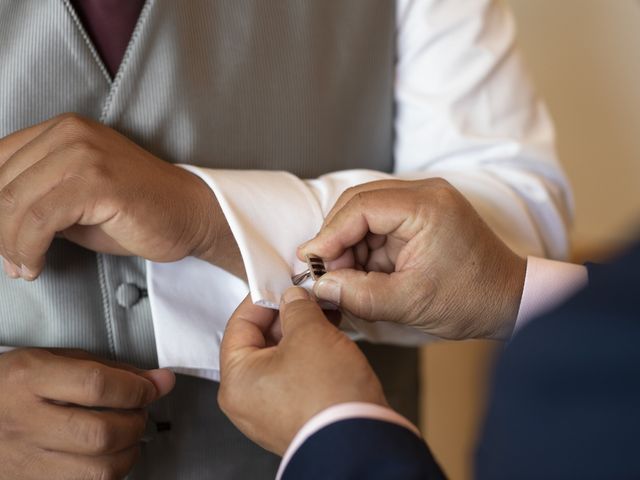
[(315, 271)]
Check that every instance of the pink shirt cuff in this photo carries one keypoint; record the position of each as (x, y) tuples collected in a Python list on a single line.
[(337, 413), (547, 284)]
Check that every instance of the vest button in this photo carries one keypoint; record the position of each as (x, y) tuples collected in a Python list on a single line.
[(128, 294)]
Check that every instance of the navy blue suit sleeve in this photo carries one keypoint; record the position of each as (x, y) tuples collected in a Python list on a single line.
[(566, 397), (363, 448)]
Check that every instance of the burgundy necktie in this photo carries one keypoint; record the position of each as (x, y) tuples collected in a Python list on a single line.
[(110, 24)]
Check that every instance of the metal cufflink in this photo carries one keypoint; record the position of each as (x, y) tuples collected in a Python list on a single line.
[(315, 271)]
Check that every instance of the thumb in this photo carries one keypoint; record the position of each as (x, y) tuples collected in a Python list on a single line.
[(163, 379), (373, 296), (299, 312)]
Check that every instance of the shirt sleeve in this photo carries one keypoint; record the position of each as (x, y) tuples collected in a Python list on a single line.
[(547, 284), (465, 111), (338, 413)]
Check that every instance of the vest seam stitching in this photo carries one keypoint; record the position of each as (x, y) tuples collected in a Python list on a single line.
[(106, 305), (133, 42), (87, 41)]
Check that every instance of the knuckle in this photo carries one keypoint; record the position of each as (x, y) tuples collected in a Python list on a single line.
[(443, 189), (19, 365), (95, 384), (70, 123), (8, 200), (11, 424), (96, 434), (434, 182), (72, 132), (38, 215), (139, 394), (364, 302)]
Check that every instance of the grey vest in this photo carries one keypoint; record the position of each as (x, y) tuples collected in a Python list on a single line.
[(299, 85)]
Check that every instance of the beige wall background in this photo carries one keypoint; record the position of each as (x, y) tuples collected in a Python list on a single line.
[(584, 56)]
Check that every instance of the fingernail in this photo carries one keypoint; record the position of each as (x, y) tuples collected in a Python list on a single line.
[(295, 293), (11, 269), (26, 273), (163, 379), (328, 290)]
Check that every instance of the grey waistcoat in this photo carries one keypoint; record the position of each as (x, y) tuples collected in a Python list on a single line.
[(299, 85)]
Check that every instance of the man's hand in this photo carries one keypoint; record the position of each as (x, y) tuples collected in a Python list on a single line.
[(85, 181), (420, 255), (270, 392), (65, 415)]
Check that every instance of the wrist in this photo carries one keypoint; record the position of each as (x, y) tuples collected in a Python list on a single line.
[(213, 240), (203, 211), (511, 275), (340, 412)]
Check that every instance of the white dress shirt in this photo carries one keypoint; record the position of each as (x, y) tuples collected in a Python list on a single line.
[(465, 111)]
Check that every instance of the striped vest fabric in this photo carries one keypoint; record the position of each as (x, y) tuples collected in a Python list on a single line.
[(304, 86)]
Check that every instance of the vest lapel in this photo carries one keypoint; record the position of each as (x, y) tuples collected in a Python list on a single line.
[(87, 39), (47, 67)]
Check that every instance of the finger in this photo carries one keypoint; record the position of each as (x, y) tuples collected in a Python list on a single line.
[(10, 269), (380, 261), (84, 355), (95, 239), (11, 144), (28, 233), (162, 378), (376, 241), (363, 187), (361, 252), (18, 197), (246, 331), (54, 465), (85, 431), (380, 212), (275, 331), (346, 260), (334, 317), (274, 335), (25, 158), (88, 383), (300, 313), (373, 296)]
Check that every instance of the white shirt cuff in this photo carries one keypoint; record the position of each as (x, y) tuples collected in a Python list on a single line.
[(547, 284), (191, 302), (336, 413)]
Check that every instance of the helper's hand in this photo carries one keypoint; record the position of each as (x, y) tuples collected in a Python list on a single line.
[(65, 415), (270, 392), (81, 179), (421, 256)]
